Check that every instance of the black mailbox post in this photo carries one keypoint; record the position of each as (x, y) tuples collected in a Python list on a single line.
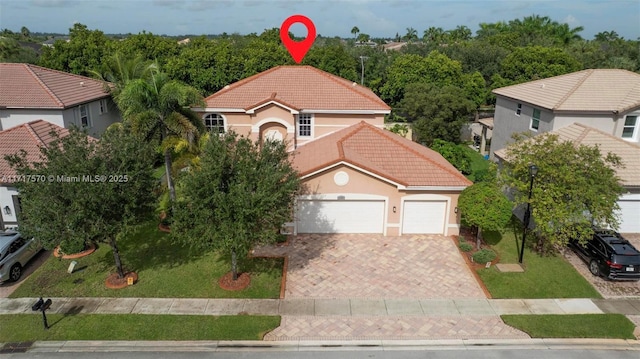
[(42, 305)]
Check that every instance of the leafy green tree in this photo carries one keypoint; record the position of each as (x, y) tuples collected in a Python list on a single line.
[(239, 196), (11, 51), (157, 109), (76, 210), (83, 52), (436, 69), (25, 32), (333, 59), (437, 112), (453, 153), (150, 47), (485, 207), (533, 63), (575, 186)]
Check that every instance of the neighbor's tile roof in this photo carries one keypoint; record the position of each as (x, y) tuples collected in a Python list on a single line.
[(584, 135), (299, 87), (28, 137), (599, 90), (31, 86), (381, 152)]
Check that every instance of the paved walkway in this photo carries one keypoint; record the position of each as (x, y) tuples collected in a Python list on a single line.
[(351, 319), (375, 266), (432, 308)]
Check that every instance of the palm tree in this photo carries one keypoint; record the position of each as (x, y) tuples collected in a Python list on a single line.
[(117, 71), (412, 34), (434, 35), (355, 31), (565, 35), (158, 109)]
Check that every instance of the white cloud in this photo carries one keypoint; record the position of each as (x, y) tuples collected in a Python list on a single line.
[(571, 20)]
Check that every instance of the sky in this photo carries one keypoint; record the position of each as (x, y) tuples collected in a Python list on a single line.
[(331, 17)]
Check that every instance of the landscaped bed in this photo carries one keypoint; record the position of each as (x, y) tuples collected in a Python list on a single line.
[(550, 276), (165, 270), (612, 326), (29, 327)]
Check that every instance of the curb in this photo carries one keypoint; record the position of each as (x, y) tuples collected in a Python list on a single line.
[(371, 345)]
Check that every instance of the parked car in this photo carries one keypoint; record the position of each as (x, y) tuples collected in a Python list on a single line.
[(15, 252), (609, 255)]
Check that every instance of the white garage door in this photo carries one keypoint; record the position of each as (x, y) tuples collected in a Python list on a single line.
[(630, 216), (324, 216), (423, 217)]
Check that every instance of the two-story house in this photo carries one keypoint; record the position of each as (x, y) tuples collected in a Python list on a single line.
[(599, 106), (359, 177), (29, 93), (605, 99), (294, 103)]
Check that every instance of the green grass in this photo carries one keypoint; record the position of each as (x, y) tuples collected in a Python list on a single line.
[(478, 164), (544, 277), (611, 326), (165, 270), (28, 327)]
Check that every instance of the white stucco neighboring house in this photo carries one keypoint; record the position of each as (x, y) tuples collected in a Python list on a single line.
[(29, 92), (28, 137), (598, 106)]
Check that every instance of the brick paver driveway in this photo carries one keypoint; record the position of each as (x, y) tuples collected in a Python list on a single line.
[(374, 266)]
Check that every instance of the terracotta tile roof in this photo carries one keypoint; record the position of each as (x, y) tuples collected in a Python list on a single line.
[(31, 86), (381, 152), (28, 137), (300, 87), (580, 134), (600, 90)]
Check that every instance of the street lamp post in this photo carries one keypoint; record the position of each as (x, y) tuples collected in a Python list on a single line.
[(533, 171)]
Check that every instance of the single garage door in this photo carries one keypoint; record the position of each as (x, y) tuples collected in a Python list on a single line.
[(325, 216), (423, 217), (630, 216)]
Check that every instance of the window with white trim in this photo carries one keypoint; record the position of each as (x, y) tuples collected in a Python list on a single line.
[(519, 109), (535, 119), (214, 123), (85, 120), (103, 106), (630, 129), (305, 124)]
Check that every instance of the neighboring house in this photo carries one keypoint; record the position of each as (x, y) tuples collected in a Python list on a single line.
[(29, 93), (363, 179), (629, 175), (28, 137), (605, 99), (293, 103)]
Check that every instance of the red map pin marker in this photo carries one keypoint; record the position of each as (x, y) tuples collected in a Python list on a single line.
[(298, 49)]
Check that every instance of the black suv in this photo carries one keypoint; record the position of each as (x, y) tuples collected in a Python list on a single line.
[(609, 255)]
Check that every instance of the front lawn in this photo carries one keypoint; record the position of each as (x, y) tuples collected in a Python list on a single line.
[(165, 270), (544, 277), (28, 327), (610, 326)]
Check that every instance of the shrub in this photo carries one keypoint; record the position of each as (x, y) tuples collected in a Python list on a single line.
[(70, 246), (484, 256), (465, 246)]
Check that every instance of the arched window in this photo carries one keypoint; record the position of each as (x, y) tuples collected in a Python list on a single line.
[(214, 123)]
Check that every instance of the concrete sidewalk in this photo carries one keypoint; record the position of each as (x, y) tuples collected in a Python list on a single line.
[(327, 307)]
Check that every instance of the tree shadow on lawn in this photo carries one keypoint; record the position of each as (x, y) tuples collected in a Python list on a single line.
[(146, 247)]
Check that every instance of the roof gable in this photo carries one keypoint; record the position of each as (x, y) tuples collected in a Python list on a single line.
[(31, 86), (382, 153), (300, 88), (596, 90), (28, 137), (581, 134)]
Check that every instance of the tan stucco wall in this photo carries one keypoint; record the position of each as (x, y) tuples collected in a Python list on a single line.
[(360, 183), (323, 124)]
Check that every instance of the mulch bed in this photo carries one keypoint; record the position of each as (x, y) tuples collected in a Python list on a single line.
[(90, 249), (227, 282), (114, 282)]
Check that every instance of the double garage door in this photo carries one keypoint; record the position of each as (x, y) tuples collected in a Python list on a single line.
[(368, 216)]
